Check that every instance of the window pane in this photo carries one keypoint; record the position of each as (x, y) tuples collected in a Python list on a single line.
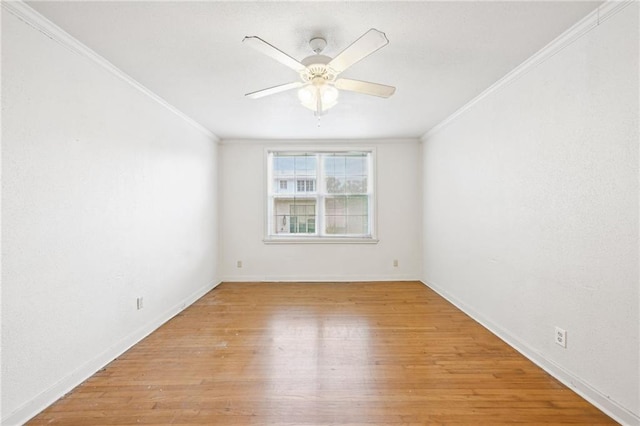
[(356, 165), (346, 173), (292, 215), (356, 185), (280, 224), (336, 225), (305, 165), (283, 165), (356, 225), (335, 215), (335, 206), (357, 205), (334, 165), (347, 215), (281, 215), (302, 216), (335, 185)]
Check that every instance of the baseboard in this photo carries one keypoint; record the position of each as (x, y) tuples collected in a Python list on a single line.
[(581, 387), (49, 396), (317, 278)]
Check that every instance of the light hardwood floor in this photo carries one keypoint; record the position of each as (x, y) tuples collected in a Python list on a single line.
[(317, 354)]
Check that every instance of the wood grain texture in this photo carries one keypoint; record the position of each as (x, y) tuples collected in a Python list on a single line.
[(321, 353)]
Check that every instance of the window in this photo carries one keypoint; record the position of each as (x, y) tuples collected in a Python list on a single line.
[(306, 185), (333, 196)]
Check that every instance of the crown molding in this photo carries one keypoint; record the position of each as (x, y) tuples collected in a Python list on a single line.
[(40, 23), (316, 143), (582, 27)]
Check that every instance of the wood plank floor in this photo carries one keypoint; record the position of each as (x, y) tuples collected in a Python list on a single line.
[(317, 354)]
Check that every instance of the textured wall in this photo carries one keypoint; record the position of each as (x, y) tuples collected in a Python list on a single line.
[(531, 209), (106, 196), (243, 214)]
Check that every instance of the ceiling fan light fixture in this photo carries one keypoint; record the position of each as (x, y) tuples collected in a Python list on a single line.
[(329, 94), (308, 96)]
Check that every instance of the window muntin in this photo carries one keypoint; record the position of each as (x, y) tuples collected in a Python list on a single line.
[(326, 194)]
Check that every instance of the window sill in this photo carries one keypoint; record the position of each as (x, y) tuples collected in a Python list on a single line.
[(319, 240)]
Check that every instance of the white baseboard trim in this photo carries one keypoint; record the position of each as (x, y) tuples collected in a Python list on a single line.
[(317, 278), (616, 411), (31, 408)]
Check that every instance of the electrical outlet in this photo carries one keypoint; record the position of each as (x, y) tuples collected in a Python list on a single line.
[(239, 264), (561, 337), (139, 304), (395, 263)]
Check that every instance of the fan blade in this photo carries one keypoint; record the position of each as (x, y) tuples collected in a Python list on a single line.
[(368, 43), (273, 90), (273, 52), (365, 87)]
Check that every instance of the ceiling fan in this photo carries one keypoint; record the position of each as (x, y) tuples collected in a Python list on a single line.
[(319, 87)]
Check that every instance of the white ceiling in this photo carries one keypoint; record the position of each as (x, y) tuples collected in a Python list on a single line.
[(440, 56)]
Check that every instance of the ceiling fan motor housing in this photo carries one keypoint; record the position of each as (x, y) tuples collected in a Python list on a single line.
[(317, 68)]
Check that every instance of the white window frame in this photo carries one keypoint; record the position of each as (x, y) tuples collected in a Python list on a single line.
[(318, 237)]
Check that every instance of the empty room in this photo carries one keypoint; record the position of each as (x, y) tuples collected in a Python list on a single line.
[(319, 213)]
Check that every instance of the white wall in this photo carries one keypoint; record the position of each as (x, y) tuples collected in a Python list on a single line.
[(531, 213), (243, 208), (106, 196)]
